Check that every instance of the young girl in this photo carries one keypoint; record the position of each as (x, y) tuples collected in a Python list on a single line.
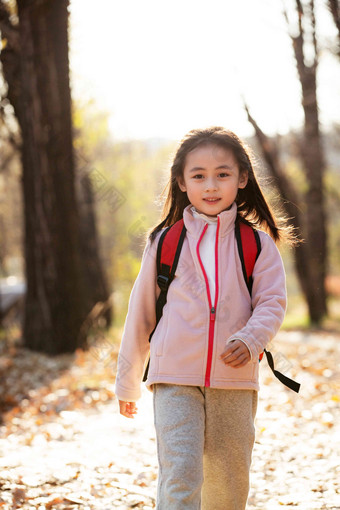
[(204, 353)]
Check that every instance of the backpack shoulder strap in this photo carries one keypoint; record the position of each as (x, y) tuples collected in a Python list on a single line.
[(168, 250), (249, 248)]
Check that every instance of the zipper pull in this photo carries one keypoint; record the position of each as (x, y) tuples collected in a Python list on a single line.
[(212, 314)]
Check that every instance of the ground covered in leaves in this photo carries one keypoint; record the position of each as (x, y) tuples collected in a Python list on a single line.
[(63, 444)]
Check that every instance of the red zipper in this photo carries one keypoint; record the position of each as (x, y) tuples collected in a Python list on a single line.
[(211, 308)]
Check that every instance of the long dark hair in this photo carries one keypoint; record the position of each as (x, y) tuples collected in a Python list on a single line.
[(252, 207)]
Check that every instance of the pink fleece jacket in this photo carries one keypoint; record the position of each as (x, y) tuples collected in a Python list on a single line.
[(190, 336)]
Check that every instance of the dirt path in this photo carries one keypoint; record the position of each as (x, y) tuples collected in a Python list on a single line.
[(68, 456)]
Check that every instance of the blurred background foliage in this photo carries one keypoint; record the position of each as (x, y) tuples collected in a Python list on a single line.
[(139, 170)]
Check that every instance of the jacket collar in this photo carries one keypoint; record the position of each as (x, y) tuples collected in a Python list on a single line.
[(212, 220), (195, 223)]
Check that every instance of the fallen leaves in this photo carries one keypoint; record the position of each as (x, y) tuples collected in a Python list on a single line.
[(297, 449), (63, 444), (40, 386)]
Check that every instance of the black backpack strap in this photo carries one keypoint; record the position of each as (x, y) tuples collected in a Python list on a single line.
[(245, 235), (293, 385), (168, 251), (163, 279), (252, 251)]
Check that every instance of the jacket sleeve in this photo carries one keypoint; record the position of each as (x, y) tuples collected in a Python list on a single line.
[(139, 323), (269, 299)]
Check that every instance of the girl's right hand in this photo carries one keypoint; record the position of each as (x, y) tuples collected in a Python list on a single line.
[(127, 409)]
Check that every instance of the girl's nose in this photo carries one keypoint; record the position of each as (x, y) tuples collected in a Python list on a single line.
[(210, 184)]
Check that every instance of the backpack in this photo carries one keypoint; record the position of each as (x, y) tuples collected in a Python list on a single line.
[(168, 252)]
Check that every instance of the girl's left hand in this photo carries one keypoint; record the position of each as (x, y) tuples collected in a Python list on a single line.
[(236, 354)]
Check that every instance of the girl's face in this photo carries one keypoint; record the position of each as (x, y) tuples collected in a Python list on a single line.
[(211, 172)]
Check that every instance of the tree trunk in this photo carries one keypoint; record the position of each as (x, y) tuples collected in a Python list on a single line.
[(64, 276), (312, 158), (55, 305), (314, 167), (93, 271)]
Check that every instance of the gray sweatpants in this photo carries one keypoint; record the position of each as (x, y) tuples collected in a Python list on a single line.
[(205, 438)]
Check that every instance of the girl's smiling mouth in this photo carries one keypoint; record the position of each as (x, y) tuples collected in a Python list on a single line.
[(211, 200)]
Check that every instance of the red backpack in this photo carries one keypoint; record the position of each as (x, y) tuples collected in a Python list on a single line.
[(168, 251)]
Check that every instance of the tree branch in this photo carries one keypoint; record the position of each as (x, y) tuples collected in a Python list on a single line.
[(290, 195), (315, 43), (334, 8)]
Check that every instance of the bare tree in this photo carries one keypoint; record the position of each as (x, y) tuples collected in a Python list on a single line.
[(311, 257)]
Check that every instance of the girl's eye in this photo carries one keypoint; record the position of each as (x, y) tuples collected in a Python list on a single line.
[(222, 174)]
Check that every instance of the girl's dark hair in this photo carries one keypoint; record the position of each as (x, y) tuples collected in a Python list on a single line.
[(252, 207)]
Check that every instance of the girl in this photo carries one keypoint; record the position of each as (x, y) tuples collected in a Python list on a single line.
[(204, 352)]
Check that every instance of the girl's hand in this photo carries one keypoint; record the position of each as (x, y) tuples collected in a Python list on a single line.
[(236, 354), (127, 409)]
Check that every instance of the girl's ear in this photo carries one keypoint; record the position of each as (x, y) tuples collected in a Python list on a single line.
[(181, 184), (243, 180)]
